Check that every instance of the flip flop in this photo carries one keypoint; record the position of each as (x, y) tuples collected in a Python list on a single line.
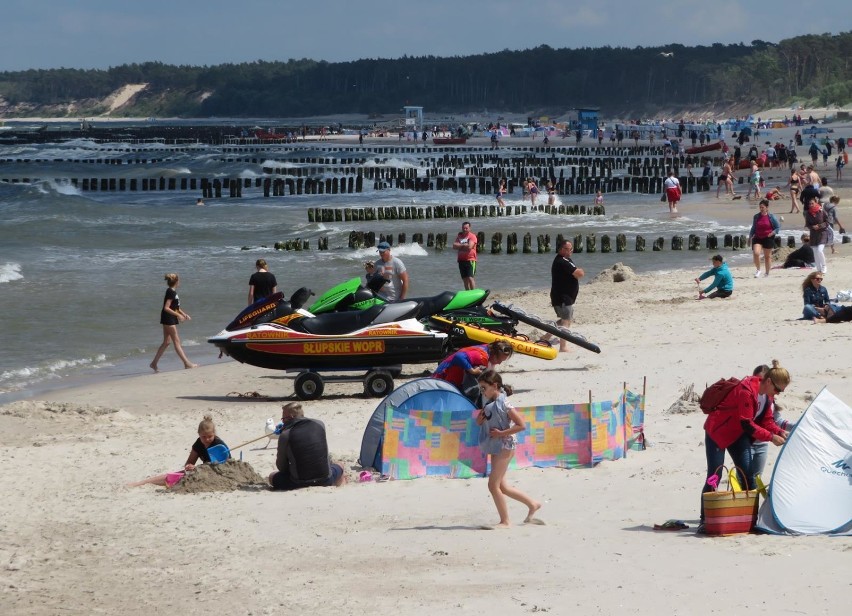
[(671, 525)]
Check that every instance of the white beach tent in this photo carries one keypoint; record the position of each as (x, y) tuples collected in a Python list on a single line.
[(811, 488)]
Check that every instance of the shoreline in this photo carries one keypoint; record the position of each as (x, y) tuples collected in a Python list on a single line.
[(695, 205), (769, 114)]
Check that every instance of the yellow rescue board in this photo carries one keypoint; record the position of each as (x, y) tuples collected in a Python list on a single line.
[(520, 345)]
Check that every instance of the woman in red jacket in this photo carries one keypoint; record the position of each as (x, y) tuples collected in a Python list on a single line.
[(732, 427)]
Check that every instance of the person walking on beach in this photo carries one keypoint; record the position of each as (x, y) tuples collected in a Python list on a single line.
[(501, 190), (794, 183), (564, 287), (262, 283), (393, 271), (754, 181), (206, 440), (764, 228), (170, 316), (817, 224), (533, 187), (465, 245), (499, 421), (726, 178), (672, 187), (830, 209)]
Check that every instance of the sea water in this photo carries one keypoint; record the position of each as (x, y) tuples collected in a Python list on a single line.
[(81, 273)]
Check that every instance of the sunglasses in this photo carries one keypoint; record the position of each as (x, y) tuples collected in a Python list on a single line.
[(777, 389), (817, 278)]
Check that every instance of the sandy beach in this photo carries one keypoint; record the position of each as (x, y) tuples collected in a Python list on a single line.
[(76, 540)]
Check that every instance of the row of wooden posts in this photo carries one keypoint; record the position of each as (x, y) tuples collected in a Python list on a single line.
[(348, 214), (279, 187), (590, 243)]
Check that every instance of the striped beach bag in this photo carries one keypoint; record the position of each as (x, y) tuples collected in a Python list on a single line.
[(731, 511)]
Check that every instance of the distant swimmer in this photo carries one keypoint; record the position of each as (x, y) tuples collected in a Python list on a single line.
[(200, 201)]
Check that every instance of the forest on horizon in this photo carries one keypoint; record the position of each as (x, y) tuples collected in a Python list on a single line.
[(813, 69)]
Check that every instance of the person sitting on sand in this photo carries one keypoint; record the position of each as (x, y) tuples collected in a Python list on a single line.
[(499, 421), (815, 297), (843, 314), (723, 281), (199, 451), (303, 459), (774, 194), (803, 256)]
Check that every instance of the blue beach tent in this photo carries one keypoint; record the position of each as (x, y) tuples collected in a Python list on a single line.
[(417, 395)]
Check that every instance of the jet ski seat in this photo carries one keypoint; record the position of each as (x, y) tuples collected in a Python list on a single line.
[(340, 323)]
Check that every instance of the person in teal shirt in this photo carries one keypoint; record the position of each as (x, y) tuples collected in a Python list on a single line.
[(723, 282)]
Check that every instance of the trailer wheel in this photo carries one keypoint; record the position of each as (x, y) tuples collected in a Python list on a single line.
[(308, 386), (378, 384)]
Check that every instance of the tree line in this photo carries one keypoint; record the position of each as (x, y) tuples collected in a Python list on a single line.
[(811, 68)]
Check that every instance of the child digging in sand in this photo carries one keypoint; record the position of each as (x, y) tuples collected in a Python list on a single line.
[(499, 422), (206, 439)]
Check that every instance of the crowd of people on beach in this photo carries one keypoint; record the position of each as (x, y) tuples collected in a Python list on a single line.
[(303, 458)]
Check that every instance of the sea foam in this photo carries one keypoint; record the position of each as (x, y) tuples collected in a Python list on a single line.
[(10, 272)]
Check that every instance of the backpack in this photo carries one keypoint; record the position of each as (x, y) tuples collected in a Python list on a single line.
[(716, 393)]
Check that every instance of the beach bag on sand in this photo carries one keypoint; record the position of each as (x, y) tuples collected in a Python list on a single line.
[(729, 512), (714, 395)]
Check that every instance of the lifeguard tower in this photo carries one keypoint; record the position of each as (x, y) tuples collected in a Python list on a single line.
[(587, 118), (413, 118)]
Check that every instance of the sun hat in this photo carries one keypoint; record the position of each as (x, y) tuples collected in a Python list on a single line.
[(382, 246)]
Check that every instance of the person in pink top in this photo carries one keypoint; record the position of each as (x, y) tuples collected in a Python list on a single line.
[(465, 244), (764, 228)]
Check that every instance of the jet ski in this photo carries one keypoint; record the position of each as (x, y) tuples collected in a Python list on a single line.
[(460, 314), (273, 334), (280, 335), (454, 306)]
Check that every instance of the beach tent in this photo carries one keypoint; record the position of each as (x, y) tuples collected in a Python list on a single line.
[(417, 395), (811, 488)]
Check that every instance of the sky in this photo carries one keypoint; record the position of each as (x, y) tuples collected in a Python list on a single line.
[(89, 34)]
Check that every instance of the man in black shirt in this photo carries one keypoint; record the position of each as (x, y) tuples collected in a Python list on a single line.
[(565, 284), (303, 459)]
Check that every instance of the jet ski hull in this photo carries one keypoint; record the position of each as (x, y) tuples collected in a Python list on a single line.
[(277, 347)]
